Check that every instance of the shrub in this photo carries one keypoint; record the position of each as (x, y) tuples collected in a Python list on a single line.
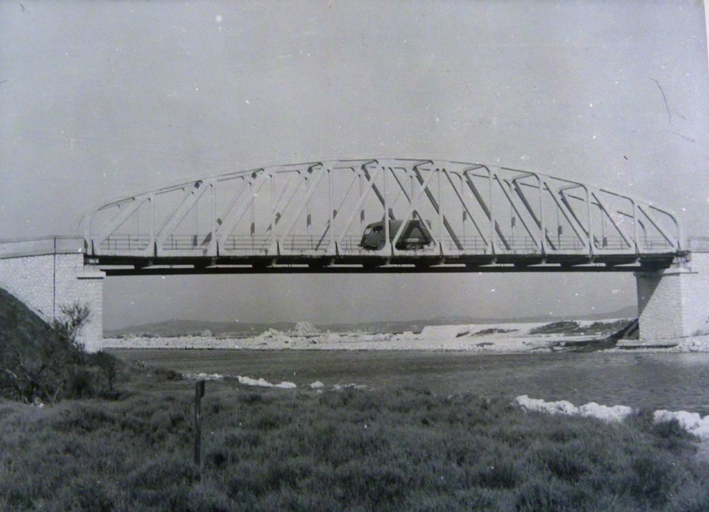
[(555, 328), (47, 363)]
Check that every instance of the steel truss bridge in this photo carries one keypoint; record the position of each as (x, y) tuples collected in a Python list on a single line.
[(311, 217)]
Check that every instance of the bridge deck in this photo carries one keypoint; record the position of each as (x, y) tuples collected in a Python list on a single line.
[(125, 266), (365, 262)]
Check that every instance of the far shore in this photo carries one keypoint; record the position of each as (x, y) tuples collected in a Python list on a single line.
[(484, 338)]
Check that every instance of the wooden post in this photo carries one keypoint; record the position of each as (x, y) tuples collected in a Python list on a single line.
[(199, 393)]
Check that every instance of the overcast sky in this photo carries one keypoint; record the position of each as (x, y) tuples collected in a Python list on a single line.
[(106, 98)]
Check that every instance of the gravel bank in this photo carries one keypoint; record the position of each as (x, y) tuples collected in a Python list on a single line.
[(491, 338)]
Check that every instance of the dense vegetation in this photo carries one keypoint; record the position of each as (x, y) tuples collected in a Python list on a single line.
[(42, 362), (266, 449)]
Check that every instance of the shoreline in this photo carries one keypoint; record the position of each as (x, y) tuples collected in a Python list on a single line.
[(478, 338)]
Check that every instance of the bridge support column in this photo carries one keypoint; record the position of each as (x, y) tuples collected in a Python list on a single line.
[(47, 276), (674, 303)]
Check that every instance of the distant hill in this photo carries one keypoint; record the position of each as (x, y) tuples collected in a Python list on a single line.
[(244, 329), (198, 327)]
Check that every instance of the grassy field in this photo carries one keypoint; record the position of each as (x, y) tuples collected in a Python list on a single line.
[(356, 450)]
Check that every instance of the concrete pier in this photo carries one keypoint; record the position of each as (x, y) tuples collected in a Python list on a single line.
[(674, 303)]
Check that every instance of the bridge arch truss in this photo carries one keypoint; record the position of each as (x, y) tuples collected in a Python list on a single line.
[(316, 214)]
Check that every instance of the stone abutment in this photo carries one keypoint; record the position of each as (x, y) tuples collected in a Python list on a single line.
[(49, 274)]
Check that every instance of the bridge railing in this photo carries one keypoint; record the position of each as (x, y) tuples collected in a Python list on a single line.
[(654, 244), (611, 243), (469, 244), (120, 242), (248, 243), (350, 244), (184, 242), (202, 245), (303, 244)]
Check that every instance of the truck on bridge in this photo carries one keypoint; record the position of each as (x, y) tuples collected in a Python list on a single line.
[(414, 235)]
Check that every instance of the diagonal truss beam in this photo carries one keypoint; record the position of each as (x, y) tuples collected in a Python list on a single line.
[(437, 208), (327, 202), (487, 211)]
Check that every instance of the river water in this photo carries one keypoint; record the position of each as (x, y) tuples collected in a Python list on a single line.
[(640, 380)]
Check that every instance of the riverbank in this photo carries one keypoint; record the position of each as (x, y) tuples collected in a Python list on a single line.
[(485, 338)]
